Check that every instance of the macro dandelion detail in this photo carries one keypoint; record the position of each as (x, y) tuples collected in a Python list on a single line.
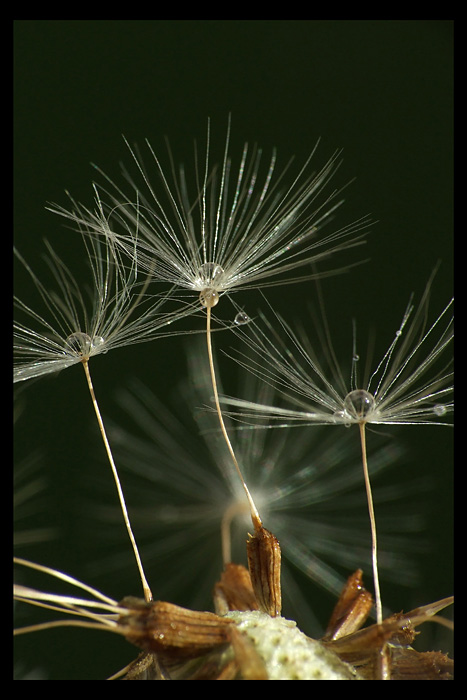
[(164, 246)]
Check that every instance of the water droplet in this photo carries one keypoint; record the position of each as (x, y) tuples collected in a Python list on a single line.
[(359, 403), (440, 410), (342, 417), (356, 358), (398, 333), (79, 344), (241, 318), (99, 342), (209, 281), (209, 298), (209, 274)]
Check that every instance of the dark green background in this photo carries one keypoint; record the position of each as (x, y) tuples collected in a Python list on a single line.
[(379, 89)]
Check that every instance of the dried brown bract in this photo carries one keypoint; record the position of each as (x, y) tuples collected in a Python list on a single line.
[(383, 652), (245, 639)]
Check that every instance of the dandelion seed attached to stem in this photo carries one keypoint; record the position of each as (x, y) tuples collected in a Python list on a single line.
[(412, 384), (252, 229), (121, 313)]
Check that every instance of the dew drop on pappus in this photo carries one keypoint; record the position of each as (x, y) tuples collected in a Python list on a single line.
[(359, 403), (440, 410), (209, 298), (241, 318), (79, 343), (209, 273)]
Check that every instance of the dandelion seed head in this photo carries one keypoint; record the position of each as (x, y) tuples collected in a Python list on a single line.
[(237, 223), (82, 346), (411, 383), (78, 322)]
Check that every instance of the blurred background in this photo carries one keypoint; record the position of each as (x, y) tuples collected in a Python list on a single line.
[(381, 90)]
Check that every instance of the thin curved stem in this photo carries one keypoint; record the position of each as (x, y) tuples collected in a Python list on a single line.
[(146, 589), (254, 512), (374, 548)]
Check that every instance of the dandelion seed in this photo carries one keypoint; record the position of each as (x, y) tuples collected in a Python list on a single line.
[(87, 320), (234, 228), (227, 228), (119, 314), (405, 388)]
